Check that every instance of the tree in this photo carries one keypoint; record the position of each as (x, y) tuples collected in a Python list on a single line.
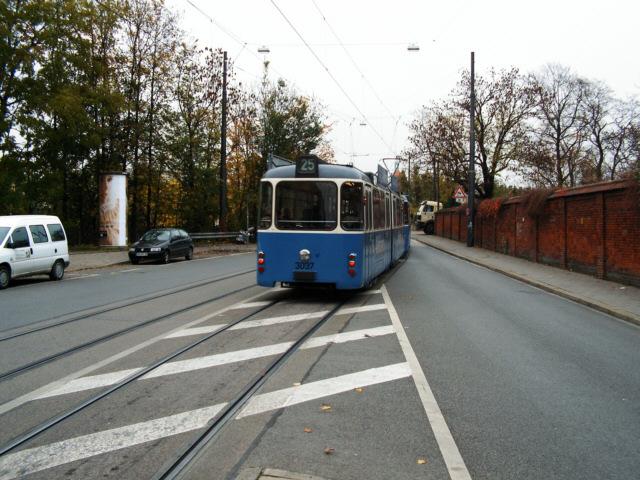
[(292, 124), (504, 102), (559, 133)]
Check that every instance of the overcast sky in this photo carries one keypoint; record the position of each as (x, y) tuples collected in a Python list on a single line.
[(598, 40)]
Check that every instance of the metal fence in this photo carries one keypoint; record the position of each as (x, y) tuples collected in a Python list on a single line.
[(213, 235)]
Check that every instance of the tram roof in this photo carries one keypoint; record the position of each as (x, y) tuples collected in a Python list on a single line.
[(325, 170)]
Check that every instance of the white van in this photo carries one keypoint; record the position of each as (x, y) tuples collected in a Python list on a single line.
[(32, 244)]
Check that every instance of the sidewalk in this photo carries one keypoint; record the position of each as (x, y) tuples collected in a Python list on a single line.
[(622, 301), (101, 259)]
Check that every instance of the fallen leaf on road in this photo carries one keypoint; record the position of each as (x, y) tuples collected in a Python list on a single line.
[(367, 335), (307, 430), (325, 407), (329, 450), (421, 461), (359, 389)]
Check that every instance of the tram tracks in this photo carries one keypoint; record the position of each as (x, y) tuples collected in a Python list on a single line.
[(6, 375), (106, 308), (174, 469), (51, 422)]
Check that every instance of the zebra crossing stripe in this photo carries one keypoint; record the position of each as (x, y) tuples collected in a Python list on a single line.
[(183, 366), (43, 457), (264, 322)]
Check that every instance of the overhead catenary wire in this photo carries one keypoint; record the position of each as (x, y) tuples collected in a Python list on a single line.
[(335, 80), (354, 63), (234, 37)]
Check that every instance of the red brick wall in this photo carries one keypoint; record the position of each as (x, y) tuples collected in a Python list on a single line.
[(593, 229), (525, 234), (622, 234), (550, 233), (583, 234), (455, 227), (506, 230)]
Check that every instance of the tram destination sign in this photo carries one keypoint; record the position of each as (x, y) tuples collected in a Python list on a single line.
[(307, 166)]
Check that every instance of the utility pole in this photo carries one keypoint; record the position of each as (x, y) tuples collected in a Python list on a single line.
[(223, 149), (472, 156)]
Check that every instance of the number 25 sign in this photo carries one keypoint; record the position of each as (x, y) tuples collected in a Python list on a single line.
[(307, 166)]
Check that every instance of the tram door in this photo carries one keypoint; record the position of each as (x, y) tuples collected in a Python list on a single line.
[(388, 233)]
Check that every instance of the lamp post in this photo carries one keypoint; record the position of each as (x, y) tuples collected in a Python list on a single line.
[(472, 157)]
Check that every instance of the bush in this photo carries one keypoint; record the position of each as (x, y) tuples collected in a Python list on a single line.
[(533, 201), (490, 207)]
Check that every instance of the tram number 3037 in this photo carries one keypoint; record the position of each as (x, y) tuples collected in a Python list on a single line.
[(304, 265)]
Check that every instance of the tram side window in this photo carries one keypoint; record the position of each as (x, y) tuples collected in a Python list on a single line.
[(266, 201), (378, 209), (308, 205), (387, 211), (351, 206), (405, 213)]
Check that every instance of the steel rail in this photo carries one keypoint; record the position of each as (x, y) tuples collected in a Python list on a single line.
[(93, 311), (177, 467), (44, 360), (51, 422)]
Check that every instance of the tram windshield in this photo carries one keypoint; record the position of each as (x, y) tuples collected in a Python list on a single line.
[(308, 205), (266, 199)]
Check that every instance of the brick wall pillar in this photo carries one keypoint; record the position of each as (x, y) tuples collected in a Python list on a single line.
[(600, 263), (564, 233)]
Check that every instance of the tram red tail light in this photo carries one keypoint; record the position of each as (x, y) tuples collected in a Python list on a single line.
[(261, 269), (352, 264), (260, 261)]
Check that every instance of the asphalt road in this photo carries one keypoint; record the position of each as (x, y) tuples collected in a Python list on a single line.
[(35, 299), (530, 385)]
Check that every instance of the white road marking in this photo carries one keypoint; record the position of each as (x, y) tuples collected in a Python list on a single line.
[(364, 308), (448, 448), (182, 366), (36, 459), (311, 391), (196, 331), (247, 324), (263, 322), (16, 402), (251, 305), (369, 292), (40, 458), (127, 270)]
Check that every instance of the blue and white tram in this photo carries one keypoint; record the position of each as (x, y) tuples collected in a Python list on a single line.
[(324, 224)]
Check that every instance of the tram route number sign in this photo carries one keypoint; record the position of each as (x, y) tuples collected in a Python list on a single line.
[(307, 166)]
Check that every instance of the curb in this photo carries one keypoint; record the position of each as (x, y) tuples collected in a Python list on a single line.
[(543, 286)]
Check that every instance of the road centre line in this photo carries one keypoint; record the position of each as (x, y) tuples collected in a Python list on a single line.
[(43, 457), (10, 405), (208, 361), (274, 320), (448, 448)]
